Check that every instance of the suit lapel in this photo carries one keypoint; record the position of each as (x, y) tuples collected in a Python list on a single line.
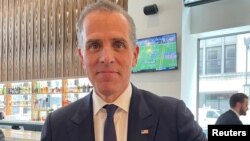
[(81, 126), (142, 123)]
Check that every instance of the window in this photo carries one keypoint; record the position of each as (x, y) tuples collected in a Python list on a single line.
[(213, 60), (230, 59), (201, 62), (212, 114), (222, 72), (218, 55)]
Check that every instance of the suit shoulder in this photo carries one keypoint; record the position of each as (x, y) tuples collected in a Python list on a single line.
[(161, 101), (227, 118), (148, 94)]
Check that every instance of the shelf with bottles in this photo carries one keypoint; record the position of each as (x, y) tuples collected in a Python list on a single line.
[(18, 96), (45, 103), (20, 88), (33, 100), (47, 97), (48, 87), (20, 100), (78, 85), (2, 101), (2, 95), (76, 89), (71, 97), (48, 102), (19, 113), (3, 89)]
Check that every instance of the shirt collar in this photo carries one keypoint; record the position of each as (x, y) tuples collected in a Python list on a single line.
[(122, 101)]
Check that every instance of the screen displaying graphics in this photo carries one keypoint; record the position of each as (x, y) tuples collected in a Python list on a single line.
[(157, 53)]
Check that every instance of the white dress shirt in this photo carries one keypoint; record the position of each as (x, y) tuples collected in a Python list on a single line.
[(120, 116)]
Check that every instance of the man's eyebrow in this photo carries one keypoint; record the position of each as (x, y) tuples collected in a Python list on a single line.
[(93, 40), (119, 39), (99, 40)]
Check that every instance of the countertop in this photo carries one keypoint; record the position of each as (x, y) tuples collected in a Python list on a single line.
[(21, 135)]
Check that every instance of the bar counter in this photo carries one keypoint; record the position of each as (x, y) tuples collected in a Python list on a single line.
[(21, 135), (27, 125)]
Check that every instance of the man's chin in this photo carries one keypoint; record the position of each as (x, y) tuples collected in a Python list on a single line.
[(106, 90)]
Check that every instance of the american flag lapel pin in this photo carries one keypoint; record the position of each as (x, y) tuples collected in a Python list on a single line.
[(145, 132)]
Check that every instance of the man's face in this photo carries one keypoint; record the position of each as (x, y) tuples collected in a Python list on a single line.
[(108, 54), (244, 107)]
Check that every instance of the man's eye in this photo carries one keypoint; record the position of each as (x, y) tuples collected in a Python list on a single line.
[(119, 45), (93, 46)]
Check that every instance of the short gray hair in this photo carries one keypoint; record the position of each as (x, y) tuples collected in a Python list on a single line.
[(104, 5)]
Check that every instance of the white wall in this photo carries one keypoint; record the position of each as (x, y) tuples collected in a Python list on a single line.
[(167, 20), (220, 15), (189, 63)]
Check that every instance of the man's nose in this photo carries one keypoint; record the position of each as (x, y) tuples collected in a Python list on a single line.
[(107, 55)]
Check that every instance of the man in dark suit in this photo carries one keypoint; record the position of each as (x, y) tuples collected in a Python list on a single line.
[(239, 106), (108, 51)]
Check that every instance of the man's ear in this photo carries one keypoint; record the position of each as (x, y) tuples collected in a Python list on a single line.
[(80, 56), (135, 55), (238, 104)]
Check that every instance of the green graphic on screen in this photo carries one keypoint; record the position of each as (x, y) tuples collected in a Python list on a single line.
[(157, 53)]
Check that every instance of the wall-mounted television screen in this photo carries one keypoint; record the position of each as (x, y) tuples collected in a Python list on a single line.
[(158, 53)]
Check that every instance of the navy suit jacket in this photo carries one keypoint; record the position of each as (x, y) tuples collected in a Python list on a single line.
[(165, 118), (228, 118)]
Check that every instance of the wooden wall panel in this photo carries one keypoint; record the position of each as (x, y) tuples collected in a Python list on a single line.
[(89, 1), (38, 38), (59, 38), (5, 41), (51, 38), (123, 3), (36, 49), (10, 39), (30, 45), (76, 66), (1, 35), (67, 56), (23, 41), (44, 38), (17, 32), (83, 4)]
